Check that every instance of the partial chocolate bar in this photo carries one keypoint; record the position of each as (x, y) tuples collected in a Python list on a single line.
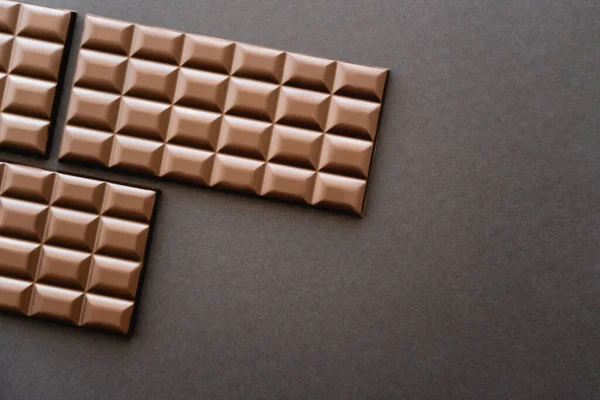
[(224, 114), (32, 43), (71, 248)]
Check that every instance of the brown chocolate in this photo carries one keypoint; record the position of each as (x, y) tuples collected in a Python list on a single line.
[(224, 114), (71, 248), (32, 42)]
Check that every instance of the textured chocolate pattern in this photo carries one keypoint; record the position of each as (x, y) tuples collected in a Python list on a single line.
[(224, 114), (32, 41), (71, 248)]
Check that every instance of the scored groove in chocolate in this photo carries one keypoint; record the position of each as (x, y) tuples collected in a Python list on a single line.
[(71, 248), (223, 114), (32, 43)]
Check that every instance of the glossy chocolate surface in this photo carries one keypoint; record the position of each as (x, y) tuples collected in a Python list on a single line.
[(32, 41), (71, 248), (224, 114)]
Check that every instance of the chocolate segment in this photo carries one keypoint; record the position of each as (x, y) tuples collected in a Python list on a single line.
[(71, 248), (32, 42), (224, 114)]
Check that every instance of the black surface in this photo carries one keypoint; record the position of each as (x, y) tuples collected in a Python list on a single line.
[(474, 274)]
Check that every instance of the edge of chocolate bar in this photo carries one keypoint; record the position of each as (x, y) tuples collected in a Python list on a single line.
[(375, 143), (61, 83)]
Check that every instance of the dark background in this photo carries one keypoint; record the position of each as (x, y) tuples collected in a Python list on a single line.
[(474, 274)]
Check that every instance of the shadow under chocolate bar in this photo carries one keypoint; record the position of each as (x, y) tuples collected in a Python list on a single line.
[(72, 249), (224, 114), (34, 44)]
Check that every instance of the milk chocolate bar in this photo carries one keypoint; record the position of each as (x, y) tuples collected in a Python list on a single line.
[(71, 248), (224, 114), (32, 43)]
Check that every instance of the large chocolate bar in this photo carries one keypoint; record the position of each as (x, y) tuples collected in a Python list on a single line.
[(224, 114), (32, 42), (71, 248)]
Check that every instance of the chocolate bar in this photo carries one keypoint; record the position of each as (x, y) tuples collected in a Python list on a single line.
[(224, 114), (71, 248), (32, 43)]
